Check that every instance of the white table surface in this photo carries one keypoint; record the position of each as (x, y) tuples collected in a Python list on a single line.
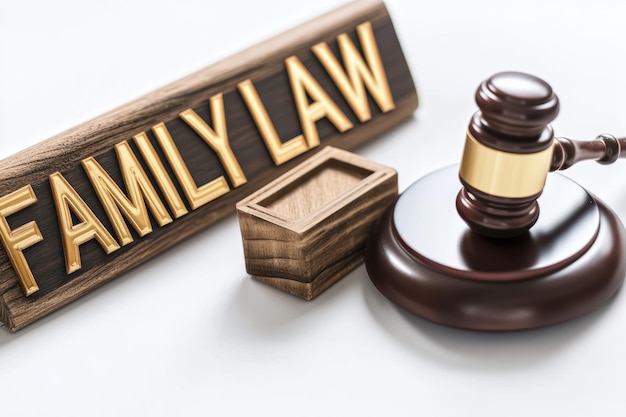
[(238, 347)]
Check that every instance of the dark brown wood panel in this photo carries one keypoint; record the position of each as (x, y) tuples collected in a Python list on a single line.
[(264, 66)]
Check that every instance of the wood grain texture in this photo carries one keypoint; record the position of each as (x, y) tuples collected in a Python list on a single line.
[(264, 65), (333, 199), (328, 277)]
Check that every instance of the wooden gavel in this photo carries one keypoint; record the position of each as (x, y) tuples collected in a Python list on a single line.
[(501, 274), (509, 150)]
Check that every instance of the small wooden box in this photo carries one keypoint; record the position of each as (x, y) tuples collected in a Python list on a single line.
[(307, 229)]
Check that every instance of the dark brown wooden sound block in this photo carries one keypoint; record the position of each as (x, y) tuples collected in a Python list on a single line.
[(83, 207), (423, 258), (307, 229)]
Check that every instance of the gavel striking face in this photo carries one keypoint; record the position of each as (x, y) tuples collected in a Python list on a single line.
[(509, 150)]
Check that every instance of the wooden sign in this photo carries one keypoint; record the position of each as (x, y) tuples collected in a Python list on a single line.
[(82, 207)]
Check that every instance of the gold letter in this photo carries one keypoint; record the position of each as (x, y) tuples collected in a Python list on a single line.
[(303, 83), (15, 241), (139, 189), (160, 175), (217, 139), (67, 201), (359, 74), (197, 196), (280, 152)]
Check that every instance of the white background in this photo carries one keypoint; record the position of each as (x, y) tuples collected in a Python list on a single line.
[(237, 347)]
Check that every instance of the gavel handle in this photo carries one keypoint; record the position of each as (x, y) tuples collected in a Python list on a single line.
[(604, 149)]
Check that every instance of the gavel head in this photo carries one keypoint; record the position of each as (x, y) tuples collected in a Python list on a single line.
[(507, 155)]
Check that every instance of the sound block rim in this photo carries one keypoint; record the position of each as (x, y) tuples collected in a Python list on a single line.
[(547, 298)]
